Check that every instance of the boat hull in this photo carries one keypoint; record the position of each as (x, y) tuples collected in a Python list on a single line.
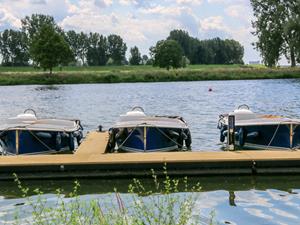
[(17, 142), (276, 136), (148, 139)]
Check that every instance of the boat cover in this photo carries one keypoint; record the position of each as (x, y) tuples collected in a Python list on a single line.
[(150, 121), (40, 124), (264, 120)]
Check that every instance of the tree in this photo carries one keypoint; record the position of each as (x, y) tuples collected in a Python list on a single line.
[(277, 29), (235, 52), (97, 53), (167, 54), (135, 58), (32, 24), (183, 39), (13, 48), (79, 44), (49, 49), (116, 49), (145, 59)]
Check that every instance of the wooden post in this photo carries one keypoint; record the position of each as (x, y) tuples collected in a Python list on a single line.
[(231, 132)]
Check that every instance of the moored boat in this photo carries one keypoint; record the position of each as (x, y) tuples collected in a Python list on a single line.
[(257, 131), (137, 132), (26, 134)]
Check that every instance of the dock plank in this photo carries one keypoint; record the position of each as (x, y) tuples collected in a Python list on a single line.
[(94, 143)]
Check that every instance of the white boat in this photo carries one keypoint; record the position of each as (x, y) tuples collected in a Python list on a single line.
[(26, 134), (137, 132), (261, 131)]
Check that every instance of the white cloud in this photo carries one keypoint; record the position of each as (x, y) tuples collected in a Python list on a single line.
[(228, 2), (239, 11), (193, 2), (213, 23), (128, 2), (140, 32), (163, 10), (103, 3), (8, 19), (37, 1)]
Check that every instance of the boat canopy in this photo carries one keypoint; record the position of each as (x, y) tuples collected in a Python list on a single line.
[(137, 118), (29, 121), (245, 117)]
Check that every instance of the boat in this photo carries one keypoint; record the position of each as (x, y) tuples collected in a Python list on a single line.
[(137, 132), (26, 134), (256, 131)]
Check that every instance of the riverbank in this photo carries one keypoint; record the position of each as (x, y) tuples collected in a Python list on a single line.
[(126, 74)]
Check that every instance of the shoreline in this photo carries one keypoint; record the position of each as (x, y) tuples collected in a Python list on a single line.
[(137, 75)]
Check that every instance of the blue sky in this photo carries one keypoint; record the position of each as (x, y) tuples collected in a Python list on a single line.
[(142, 22)]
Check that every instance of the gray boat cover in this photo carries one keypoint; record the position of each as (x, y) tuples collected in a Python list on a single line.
[(139, 119), (30, 122)]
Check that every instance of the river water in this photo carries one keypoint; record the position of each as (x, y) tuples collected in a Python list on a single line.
[(234, 200)]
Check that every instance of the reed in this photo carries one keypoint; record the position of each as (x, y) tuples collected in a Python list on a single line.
[(169, 201)]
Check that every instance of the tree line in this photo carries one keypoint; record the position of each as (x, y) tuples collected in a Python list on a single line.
[(277, 27), (42, 43)]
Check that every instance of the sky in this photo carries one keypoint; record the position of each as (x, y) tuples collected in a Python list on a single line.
[(142, 22)]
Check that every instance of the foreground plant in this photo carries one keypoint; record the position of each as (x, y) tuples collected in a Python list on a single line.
[(161, 204)]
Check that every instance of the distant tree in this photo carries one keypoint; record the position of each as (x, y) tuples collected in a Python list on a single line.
[(48, 48), (167, 54), (135, 56), (32, 24), (145, 59), (13, 48), (184, 40), (97, 52), (116, 49), (79, 44), (235, 52), (277, 29)]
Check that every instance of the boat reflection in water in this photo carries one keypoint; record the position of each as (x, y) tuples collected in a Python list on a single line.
[(261, 131), (137, 132), (26, 134)]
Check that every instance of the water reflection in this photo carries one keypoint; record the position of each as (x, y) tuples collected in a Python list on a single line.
[(48, 88)]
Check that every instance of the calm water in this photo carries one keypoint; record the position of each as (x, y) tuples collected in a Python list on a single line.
[(97, 104), (235, 200)]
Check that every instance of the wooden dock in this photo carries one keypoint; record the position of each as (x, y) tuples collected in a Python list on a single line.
[(90, 160)]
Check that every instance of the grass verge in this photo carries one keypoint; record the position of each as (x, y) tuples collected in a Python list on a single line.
[(144, 74)]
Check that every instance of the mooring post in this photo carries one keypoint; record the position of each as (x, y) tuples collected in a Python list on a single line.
[(231, 132)]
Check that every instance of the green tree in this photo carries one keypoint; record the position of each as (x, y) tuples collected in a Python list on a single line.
[(116, 49), (235, 52), (79, 45), (184, 40), (167, 54), (97, 53), (49, 49), (145, 59), (277, 29), (32, 24), (135, 58), (13, 48)]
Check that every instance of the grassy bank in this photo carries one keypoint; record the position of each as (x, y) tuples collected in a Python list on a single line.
[(119, 74)]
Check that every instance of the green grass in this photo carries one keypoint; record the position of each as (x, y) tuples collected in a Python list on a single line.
[(119, 74)]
